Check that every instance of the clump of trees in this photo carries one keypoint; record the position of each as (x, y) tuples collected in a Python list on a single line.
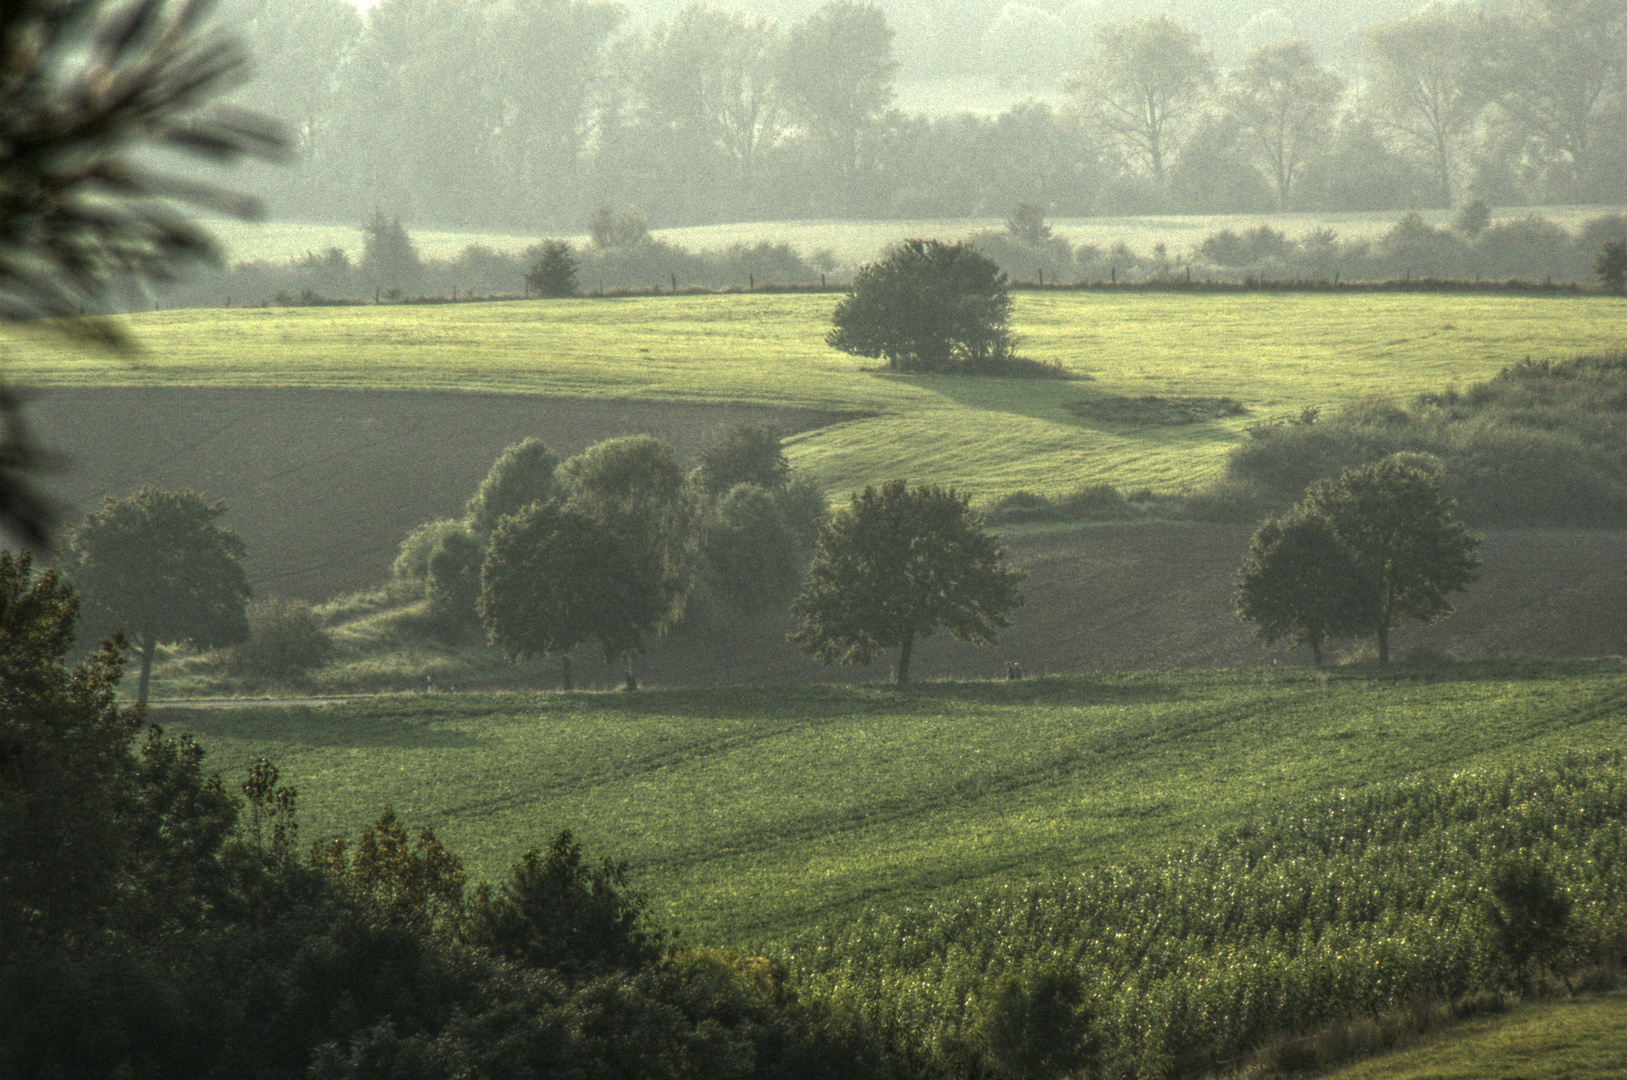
[(899, 564), (155, 921), (608, 547), (1359, 556)]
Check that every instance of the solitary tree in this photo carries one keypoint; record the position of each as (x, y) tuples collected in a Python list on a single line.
[(1284, 101), (389, 257), (896, 565), (927, 306), (1145, 84), (159, 566), (89, 87), (554, 579), (554, 272), (1300, 584), (1409, 551), (521, 475)]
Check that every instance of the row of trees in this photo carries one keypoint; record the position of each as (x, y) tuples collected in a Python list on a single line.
[(526, 115)]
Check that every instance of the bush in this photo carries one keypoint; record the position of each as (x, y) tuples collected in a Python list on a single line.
[(928, 307), (755, 560), (286, 640), (452, 582), (411, 566), (554, 271)]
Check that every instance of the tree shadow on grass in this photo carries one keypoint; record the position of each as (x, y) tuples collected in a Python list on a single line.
[(325, 726)]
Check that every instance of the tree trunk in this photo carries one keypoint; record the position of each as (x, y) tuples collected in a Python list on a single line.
[(148, 646), (632, 680), (902, 675), (1316, 650), (1384, 643), (565, 673)]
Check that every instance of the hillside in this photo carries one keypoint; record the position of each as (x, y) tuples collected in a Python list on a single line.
[(751, 813)]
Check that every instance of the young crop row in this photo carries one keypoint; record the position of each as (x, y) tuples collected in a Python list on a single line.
[(1345, 907)]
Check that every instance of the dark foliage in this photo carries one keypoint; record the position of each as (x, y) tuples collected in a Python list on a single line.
[(521, 475), (744, 454), (1300, 584), (553, 273), (928, 307), (1527, 913), (896, 565), (452, 578)]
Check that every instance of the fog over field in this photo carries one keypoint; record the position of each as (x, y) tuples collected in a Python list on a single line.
[(527, 116)]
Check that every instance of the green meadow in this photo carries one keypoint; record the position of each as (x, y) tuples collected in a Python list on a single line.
[(1275, 353), (754, 814)]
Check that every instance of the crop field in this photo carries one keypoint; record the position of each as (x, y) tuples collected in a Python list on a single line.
[(855, 242), (755, 813), (1276, 354)]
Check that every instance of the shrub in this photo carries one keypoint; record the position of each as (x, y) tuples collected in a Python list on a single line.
[(286, 640), (754, 558), (928, 307), (411, 566), (554, 271), (452, 581)]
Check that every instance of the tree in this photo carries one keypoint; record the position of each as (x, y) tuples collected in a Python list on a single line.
[(754, 553), (452, 578), (836, 74), (89, 88), (1428, 89), (927, 306), (1408, 550), (555, 578), (389, 257), (744, 454), (1526, 913), (1611, 265), (1284, 101), (522, 474), (1557, 70), (1299, 583), (157, 565), (633, 488), (554, 272), (896, 565), (1037, 1026), (1145, 84)]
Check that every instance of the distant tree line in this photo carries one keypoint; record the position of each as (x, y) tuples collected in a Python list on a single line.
[(526, 116)]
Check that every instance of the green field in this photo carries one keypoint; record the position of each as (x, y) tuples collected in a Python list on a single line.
[(1277, 353), (1551, 1041), (755, 813)]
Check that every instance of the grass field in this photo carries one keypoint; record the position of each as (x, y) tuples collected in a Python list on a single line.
[(855, 242), (753, 813), (1548, 1041), (1275, 353)]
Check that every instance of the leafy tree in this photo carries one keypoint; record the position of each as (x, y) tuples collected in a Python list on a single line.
[(754, 554), (1284, 101), (1408, 549), (1428, 89), (896, 565), (927, 306), (412, 558), (96, 842), (558, 911), (633, 488), (452, 578), (1026, 224), (1037, 1026), (1299, 583), (609, 229), (1611, 265), (555, 578), (554, 272), (89, 88), (158, 565), (836, 76), (1144, 86), (522, 474), (389, 257), (744, 454)]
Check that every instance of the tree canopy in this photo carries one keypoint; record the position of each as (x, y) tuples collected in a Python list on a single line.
[(928, 306), (522, 474), (896, 565), (159, 565), (555, 578), (1359, 555)]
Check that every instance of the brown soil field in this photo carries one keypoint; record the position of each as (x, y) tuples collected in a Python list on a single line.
[(323, 485)]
